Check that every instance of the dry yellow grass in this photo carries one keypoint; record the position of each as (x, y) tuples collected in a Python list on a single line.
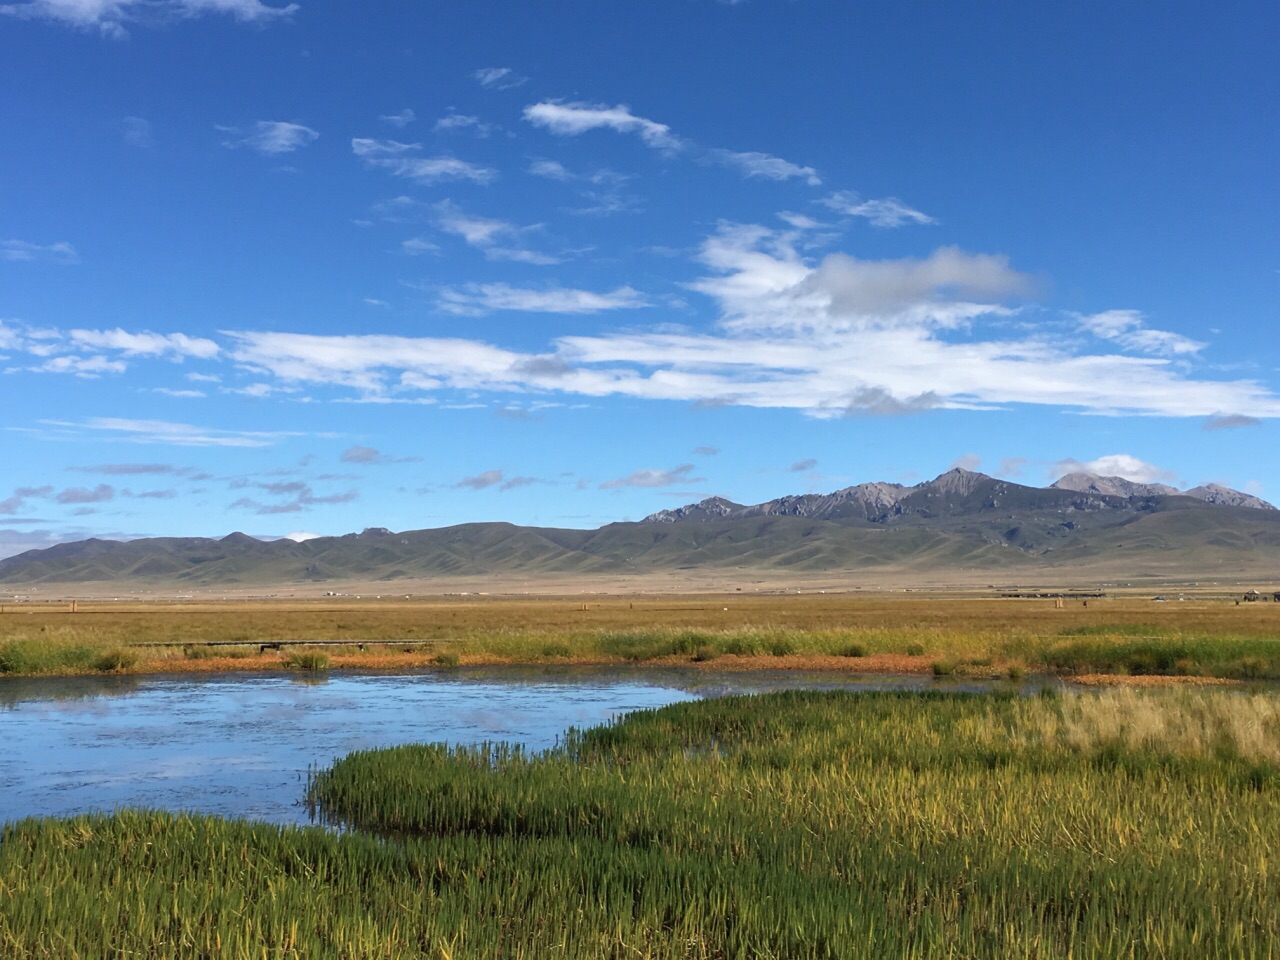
[(963, 633)]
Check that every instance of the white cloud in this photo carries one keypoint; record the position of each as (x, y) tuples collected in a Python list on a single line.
[(301, 536), (571, 119), (110, 16), (766, 167), (1122, 465), (271, 138), (482, 298), (837, 338), (393, 156), (400, 120), (799, 221), (1127, 328), (460, 121), (21, 251), (83, 367), (488, 234), (499, 78), (147, 344), (365, 147), (551, 170), (885, 212), (179, 394)]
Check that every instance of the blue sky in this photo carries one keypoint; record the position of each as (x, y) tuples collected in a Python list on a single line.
[(318, 266)]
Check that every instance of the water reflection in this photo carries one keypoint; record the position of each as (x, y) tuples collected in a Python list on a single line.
[(19, 690), (241, 745)]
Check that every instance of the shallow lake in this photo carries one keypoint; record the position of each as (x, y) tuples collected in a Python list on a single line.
[(241, 745)]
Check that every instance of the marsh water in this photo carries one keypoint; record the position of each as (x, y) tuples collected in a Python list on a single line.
[(241, 745)]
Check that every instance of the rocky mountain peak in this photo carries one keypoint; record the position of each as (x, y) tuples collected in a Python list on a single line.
[(957, 480), (712, 508)]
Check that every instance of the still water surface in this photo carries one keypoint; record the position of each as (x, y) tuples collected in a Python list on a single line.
[(241, 745)]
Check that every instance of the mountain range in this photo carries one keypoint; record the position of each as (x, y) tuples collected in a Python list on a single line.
[(959, 524)]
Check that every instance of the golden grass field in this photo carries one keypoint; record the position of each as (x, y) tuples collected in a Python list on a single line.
[(960, 633)]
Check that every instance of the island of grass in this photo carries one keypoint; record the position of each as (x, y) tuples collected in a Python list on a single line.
[(792, 825)]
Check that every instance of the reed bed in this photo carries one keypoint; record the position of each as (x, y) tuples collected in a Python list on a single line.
[(794, 825), (964, 634)]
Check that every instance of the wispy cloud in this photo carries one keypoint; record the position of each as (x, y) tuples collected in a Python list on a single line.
[(482, 298), (1128, 329), (22, 251), (86, 368), (372, 456), (453, 121), (298, 497), (884, 212), (1231, 421), (145, 344), (179, 394), (499, 78), (551, 170), (170, 433), (399, 120), (134, 469), (396, 157), (655, 478), (413, 247), (271, 138), (800, 466), (578, 117), (494, 479), (765, 167), (18, 500), (572, 119), (480, 481), (110, 17), (499, 239), (93, 353), (78, 495)]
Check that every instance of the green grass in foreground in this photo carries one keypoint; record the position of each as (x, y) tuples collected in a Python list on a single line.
[(788, 826)]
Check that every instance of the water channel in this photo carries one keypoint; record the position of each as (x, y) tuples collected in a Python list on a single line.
[(241, 745)]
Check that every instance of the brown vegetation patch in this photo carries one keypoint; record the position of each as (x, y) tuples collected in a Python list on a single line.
[(1149, 680)]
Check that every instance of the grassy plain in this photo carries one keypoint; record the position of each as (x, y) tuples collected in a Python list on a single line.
[(866, 632), (1126, 824)]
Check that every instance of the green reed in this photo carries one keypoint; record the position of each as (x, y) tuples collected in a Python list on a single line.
[(795, 825)]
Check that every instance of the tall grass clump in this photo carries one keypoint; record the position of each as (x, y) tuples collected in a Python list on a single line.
[(1232, 657), (37, 656), (307, 660), (115, 660)]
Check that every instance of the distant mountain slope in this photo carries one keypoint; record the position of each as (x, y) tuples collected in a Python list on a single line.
[(961, 519), (952, 491)]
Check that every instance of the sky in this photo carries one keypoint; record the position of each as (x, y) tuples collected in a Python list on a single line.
[(306, 268)]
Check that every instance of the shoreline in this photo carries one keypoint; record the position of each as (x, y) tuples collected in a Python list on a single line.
[(877, 664)]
